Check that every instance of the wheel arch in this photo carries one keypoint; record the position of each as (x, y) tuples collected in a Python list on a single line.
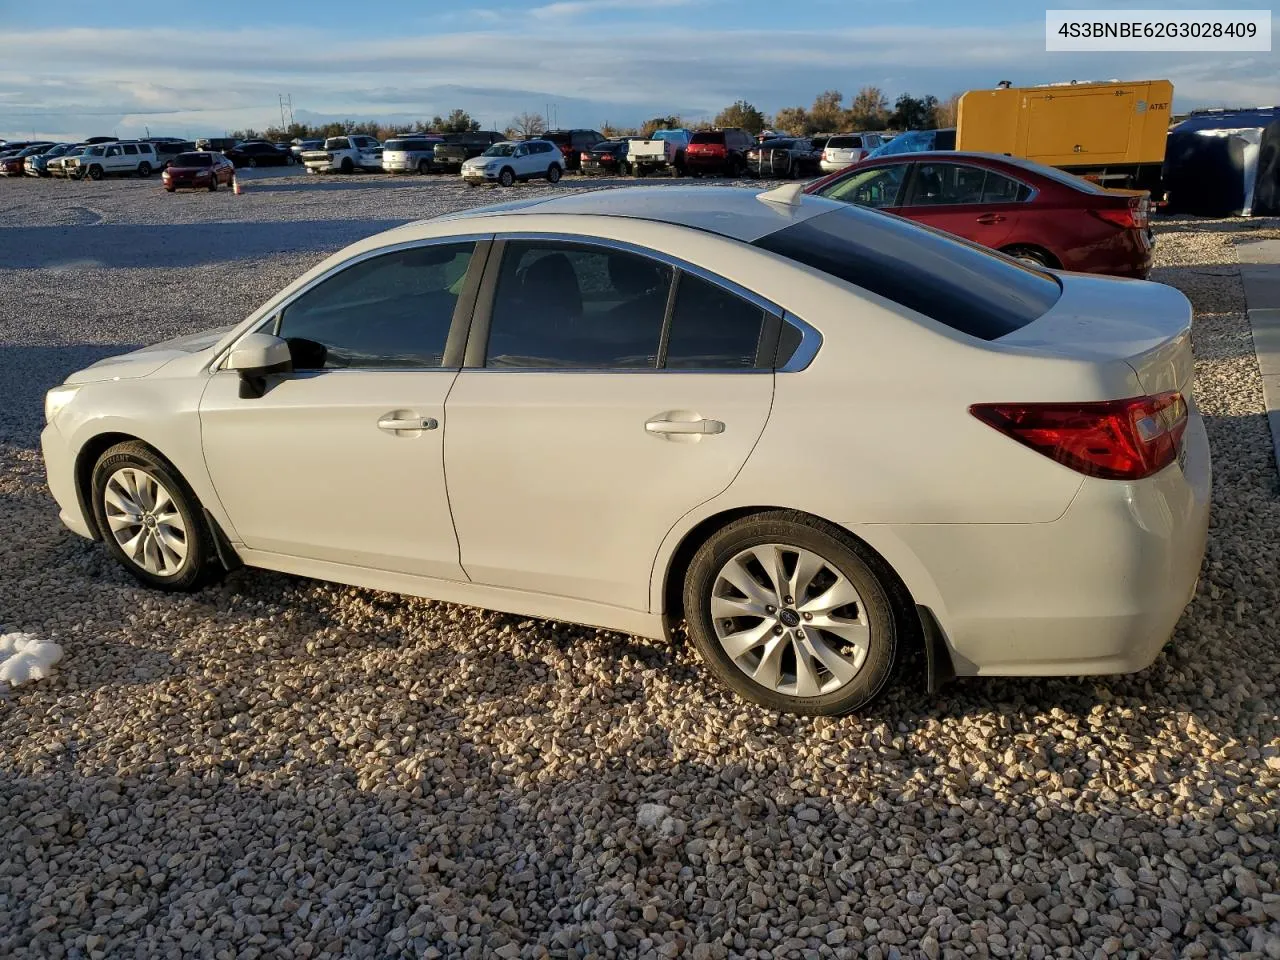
[(896, 562), (1051, 258)]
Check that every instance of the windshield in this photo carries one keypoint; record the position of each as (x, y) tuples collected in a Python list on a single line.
[(336, 143), (193, 160), (500, 150), (952, 281)]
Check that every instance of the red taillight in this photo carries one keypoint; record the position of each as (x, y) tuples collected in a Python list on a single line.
[(1114, 439), (584, 156), (606, 156), (1135, 216), (566, 148)]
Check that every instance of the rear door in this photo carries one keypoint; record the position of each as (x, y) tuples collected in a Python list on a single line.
[(597, 408), (969, 201)]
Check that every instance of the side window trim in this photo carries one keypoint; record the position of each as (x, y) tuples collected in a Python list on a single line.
[(462, 311), (477, 345)]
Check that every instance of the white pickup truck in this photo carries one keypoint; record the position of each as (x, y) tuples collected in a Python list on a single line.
[(665, 151), (344, 155)]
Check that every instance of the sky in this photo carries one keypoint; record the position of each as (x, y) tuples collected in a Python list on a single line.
[(186, 68)]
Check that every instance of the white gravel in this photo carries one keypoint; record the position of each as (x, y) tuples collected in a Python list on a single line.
[(276, 767)]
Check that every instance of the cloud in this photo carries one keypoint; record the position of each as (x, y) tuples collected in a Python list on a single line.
[(575, 8), (80, 81)]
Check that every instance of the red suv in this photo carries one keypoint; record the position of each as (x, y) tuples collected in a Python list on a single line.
[(1032, 212), (718, 151)]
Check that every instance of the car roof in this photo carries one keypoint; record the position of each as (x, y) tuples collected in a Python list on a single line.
[(733, 212)]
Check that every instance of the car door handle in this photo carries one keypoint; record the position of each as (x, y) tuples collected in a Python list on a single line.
[(408, 423), (699, 427), (991, 218)]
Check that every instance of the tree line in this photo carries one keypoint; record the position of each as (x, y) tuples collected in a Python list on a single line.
[(869, 109)]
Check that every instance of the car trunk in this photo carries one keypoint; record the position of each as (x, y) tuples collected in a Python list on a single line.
[(1145, 325)]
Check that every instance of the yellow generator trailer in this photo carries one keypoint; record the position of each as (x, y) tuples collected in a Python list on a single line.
[(1112, 132)]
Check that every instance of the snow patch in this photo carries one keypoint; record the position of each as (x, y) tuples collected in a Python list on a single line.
[(24, 656)]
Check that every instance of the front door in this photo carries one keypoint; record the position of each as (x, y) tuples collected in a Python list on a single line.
[(599, 412), (342, 460)]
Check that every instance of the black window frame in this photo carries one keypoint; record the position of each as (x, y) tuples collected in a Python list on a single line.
[(909, 185), (907, 179), (768, 358)]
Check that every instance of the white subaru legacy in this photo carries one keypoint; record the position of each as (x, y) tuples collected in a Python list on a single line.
[(819, 435)]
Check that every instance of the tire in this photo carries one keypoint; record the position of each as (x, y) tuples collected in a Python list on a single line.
[(170, 189), (213, 184), (1029, 256), (873, 622), (95, 173), (624, 168), (144, 169), (507, 177), (130, 480), (423, 168), (347, 166), (251, 162), (288, 160), (553, 173)]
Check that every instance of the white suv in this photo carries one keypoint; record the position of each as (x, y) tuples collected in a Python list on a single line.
[(345, 155), (509, 161), (120, 158)]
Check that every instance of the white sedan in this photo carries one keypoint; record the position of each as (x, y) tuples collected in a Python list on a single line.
[(817, 434)]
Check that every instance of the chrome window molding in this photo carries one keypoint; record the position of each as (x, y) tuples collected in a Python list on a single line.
[(272, 316), (810, 343)]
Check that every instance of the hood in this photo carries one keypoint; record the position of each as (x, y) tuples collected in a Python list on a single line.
[(174, 168), (144, 362)]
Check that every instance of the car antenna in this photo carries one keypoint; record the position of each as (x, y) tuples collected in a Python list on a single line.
[(787, 195)]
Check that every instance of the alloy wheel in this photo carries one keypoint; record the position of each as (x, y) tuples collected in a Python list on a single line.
[(145, 521), (790, 620)]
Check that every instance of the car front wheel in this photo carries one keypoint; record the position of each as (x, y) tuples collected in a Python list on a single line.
[(507, 177), (553, 173), (150, 519), (794, 614)]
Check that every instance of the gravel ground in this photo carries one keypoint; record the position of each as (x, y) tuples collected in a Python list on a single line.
[(278, 767)]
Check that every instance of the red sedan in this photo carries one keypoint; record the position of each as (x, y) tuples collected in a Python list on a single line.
[(1035, 213), (204, 170)]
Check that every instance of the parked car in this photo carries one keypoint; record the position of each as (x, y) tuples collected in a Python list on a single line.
[(571, 143), (461, 147), (17, 146), (121, 158), (345, 155), (216, 144), (258, 153), (101, 139), (15, 164), (411, 153), (1035, 213), (302, 146), (37, 165), (784, 157), (608, 157), (198, 170), (57, 166), (845, 148), (166, 150), (680, 136), (719, 152), (509, 161), (916, 141), (621, 374), (647, 155)]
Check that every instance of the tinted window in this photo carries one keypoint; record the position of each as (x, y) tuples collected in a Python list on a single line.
[(193, 160), (959, 284), (940, 184), (543, 147), (845, 143), (336, 143), (557, 136), (577, 306), (999, 189), (871, 187), (708, 136), (130, 150), (711, 328), (389, 311)]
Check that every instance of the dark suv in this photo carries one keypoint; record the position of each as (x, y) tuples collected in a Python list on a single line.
[(718, 151), (460, 147), (572, 144), (166, 150)]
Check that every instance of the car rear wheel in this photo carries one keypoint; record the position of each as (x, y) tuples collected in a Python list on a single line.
[(793, 614), (149, 518), (213, 183), (507, 177), (347, 165), (423, 168), (1030, 256), (251, 162), (144, 169), (553, 173), (95, 173)]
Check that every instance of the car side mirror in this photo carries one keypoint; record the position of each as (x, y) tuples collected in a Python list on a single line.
[(256, 357)]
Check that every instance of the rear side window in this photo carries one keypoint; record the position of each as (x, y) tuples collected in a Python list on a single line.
[(130, 150), (712, 329), (956, 283)]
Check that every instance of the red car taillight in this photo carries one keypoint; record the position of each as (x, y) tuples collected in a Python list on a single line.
[(1136, 216), (604, 156), (1114, 439), (584, 156)]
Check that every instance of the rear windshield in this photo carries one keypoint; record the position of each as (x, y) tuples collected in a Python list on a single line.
[(410, 144), (336, 143), (556, 137), (608, 146), (192, 160), (708, 136), (959, 284), (845, 143)]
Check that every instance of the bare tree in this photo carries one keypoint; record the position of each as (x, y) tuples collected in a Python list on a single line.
[(946, 113), (528, 124)]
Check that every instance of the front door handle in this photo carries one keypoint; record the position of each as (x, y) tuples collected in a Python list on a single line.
[(991, 218), (407, 423), (698, 427)]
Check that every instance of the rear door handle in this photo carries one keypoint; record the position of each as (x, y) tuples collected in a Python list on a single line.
[(991, 218), (700, 427), (408, 423)]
